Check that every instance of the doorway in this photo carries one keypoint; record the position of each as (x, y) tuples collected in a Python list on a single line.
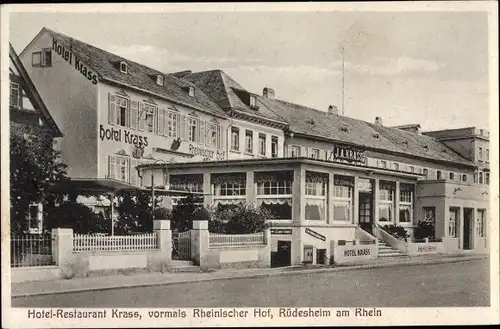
[(366, 211), (282, 257), (468, 217)]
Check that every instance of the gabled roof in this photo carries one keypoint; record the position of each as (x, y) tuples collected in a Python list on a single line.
[(140, 76), (32, 93), (314, 123), (222, 89)]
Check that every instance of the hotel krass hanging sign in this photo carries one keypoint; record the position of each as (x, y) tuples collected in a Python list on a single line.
[(347, 153)]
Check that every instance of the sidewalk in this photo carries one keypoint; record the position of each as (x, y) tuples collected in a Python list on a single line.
[(150, 279)]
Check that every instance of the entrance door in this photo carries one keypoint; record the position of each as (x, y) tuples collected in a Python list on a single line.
[(366, 211), (468, 228), (282, 257)]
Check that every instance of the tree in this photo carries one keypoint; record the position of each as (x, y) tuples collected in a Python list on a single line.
[(134, 212), (239, 219), (79, 217), (185, 212), (35, 169)]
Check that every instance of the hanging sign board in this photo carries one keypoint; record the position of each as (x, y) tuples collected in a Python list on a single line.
[(315, 234)]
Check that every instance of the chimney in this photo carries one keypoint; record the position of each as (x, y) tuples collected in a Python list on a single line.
[(332, 109), (378, 121), (268, 93)]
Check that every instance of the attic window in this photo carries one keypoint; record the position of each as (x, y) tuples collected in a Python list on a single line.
[(426, 147), (191, 91), (445, 151), (405, 143), (123, 67), (253, 102), (376, 136), (159, 79), (344, 129), (311, 122)]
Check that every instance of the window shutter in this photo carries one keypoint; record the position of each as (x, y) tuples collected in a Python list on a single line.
[(202, 134), (141, 116), (219, 137), (160, 122), (111, 108), (112, 166), (133, 172), (134, 111), (182, 127)]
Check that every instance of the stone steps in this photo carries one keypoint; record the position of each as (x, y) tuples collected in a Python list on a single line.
[(385, 250), (184, 266)]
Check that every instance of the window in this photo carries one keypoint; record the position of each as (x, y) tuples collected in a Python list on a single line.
[(480, 177), (119, 168), (295, 151), (480, 153), (34, 216), (452, 176), (406, 203), (230, 189), (274, 147), (262, 144), (314, 154), (480, 222), (160, 80), (386, 201), (15, 95), (248, 141), (123, 67), (343, 199), (439, 174), (36, 58), (487, 155), (315, 189), (464, 178), (122, 111), (191, 91), (253, 101), (426, 173), (487, 178), (385, 212), (396, 166), (274, 193), (213, 130), (386, 193), (412, 169), (189, 182), (168, 123), (146, 117), (229, 185), (193, 129), (452, 224), (383, 164), (235, 139), (429, 214), (47, 57)]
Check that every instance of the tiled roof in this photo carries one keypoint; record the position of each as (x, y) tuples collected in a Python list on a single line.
[(312, 122), (221, 88), (139, 76)]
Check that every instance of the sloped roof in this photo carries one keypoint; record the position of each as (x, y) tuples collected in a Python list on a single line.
[(139, 76), (311, 122), (221, 88), (32, 93)]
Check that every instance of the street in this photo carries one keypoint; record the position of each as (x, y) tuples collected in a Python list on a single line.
[(461, 284)]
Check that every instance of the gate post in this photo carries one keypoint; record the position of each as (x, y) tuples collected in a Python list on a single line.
[(164, 237), (199, 240), (62, 245)]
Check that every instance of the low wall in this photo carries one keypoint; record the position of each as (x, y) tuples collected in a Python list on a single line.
[(35, 273), (425, 248), (352, 254), (237, 257), (451, 244)]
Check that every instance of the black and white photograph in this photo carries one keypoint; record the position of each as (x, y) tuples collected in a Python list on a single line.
[(249, 164)]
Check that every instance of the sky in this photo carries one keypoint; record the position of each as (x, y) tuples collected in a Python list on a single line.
[(429, 68)]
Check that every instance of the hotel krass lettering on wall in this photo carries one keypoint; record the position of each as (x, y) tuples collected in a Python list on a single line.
[(347, 153)]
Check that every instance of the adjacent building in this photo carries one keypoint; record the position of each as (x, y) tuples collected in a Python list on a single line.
[(28, 116)]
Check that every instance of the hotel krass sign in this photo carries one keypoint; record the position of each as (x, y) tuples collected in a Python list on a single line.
[(347, 153)]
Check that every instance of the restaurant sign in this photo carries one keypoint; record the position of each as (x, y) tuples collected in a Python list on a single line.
[(315, 234), (347, 153)]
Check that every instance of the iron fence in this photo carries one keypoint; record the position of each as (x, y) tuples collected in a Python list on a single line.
[(31, 250)]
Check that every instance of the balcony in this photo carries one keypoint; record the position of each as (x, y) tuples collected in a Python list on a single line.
[(448, 188)]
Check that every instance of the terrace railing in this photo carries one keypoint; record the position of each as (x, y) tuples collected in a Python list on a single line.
[(89, 243), (236, 240)]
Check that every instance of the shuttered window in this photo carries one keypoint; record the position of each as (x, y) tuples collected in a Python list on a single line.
[(15, 95), (212, 134), (118, 110), (119, 168), (193, 129), (146, 117)]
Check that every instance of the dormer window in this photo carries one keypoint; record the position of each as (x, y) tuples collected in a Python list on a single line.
[(311, 122), (191, 91), (426, 147), (253, 102), (376, 136), (123, 67), (344, 129), (159, 80), (405, 143)]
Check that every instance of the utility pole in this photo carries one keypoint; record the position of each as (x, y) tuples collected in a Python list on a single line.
[(343, 80)]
